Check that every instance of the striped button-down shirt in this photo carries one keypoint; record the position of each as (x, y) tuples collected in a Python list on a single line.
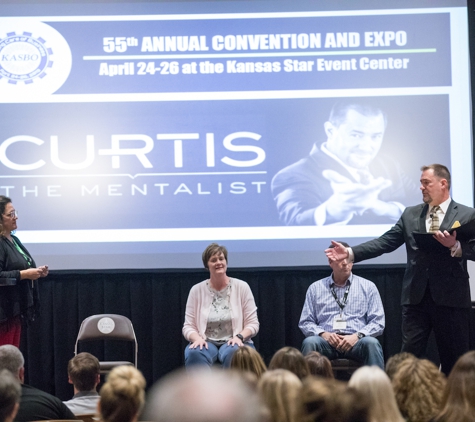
[(363, 312)]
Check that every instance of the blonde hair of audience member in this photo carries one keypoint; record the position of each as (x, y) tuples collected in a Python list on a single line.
[(291, 359), (10, 394), (279, 390), (373, 382), (418, 386), (458, 402), (319, 365), (329, 400), (394, 361), (248, 359), (123, 395), (202, 395)]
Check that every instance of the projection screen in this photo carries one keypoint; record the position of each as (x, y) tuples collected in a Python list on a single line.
[(133, 135)]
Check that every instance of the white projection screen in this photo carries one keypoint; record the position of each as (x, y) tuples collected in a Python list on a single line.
[(135, 134)]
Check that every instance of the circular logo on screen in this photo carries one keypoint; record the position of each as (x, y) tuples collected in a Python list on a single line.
[(106, 325), (35, 59)]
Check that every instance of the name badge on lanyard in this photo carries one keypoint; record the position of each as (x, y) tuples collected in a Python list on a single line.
[(339, 323)]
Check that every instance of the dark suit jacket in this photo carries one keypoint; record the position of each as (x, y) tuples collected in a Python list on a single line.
[(300, 188), (446, 276)]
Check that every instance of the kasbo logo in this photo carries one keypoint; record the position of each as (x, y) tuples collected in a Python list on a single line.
[(35, 59)]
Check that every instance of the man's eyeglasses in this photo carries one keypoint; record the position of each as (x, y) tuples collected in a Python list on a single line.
[(13, 214)]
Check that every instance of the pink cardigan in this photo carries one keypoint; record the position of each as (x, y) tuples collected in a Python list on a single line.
[(243, 309)]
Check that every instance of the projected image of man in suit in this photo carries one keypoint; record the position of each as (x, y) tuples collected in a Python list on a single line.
[(344, 180), (435, 290)]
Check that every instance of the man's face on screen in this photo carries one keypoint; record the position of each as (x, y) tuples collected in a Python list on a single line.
[(357, 140)]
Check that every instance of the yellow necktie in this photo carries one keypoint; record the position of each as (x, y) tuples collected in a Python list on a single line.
[(434, 225)]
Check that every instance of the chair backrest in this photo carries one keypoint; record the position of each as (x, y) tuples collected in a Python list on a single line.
[(107, 327)]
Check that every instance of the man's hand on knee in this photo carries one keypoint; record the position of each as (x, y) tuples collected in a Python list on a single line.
[(333, 339), (347, 342)]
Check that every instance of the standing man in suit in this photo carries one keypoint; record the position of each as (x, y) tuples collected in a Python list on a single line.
[(436, 290), (344, 180)]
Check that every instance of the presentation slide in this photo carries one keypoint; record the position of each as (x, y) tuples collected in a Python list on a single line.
[(133, 135)]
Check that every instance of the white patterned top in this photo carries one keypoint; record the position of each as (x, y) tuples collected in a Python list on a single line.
[(219, 327)]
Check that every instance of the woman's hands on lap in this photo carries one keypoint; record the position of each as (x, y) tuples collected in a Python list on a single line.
[(235, 341), (199, 343)]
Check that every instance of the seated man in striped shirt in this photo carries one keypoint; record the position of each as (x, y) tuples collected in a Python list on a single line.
[(342, 315)]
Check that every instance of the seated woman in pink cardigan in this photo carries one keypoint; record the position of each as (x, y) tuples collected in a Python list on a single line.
[(221, 314)]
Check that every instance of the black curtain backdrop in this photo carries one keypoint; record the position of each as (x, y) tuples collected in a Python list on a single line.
[(155, 302)]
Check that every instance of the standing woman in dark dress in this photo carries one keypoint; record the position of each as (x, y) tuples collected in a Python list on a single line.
[(20, 300)]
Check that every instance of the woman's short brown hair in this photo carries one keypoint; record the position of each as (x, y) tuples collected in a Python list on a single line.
[(319, 365), (291, 359), (211, 250)]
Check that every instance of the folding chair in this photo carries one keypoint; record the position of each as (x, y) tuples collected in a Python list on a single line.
[(108, 327)]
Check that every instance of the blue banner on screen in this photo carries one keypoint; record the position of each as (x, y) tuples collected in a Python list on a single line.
[(134, 140)]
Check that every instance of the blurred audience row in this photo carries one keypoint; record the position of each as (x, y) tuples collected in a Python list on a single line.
[(293, 388)]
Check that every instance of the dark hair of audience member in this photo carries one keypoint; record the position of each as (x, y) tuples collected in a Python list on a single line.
[(394, 361), (458, 402), (10, 393), (123, 395), (418, 386), (373, 382), (319, 365), (248, 359), (279, 390), (329, 400), (83, 370), (291, 359)]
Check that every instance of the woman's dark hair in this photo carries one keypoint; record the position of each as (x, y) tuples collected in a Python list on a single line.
[(319, 365), (291, 359)]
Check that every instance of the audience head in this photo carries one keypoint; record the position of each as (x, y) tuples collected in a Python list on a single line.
[(394, 361), (202, 395), (123, 395), (319, 365), (329, 400), (84, 372), (279, 390), (458, 402), (373, 382), (12, 359), (248, 359), (418, 385), (10, 393), (291, 359)]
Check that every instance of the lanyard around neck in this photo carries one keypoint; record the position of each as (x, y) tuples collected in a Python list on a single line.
[(345, 296)]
